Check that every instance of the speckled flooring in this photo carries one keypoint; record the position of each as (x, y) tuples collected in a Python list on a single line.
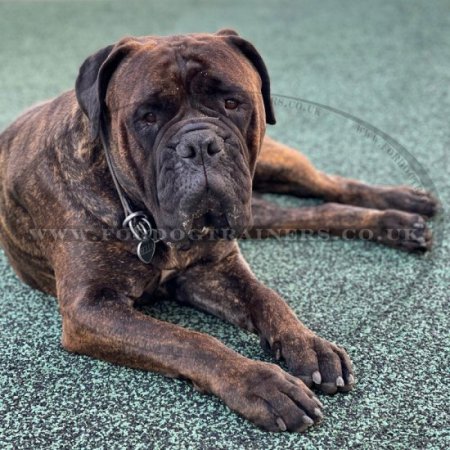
[(387, 62)]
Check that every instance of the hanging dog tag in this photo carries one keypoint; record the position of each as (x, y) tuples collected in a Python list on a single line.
[(146, 250), (142, 231)]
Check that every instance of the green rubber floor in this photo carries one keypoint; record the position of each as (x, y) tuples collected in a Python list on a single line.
[(386, 62)]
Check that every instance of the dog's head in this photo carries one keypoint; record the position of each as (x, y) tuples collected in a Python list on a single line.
[(186, 116)]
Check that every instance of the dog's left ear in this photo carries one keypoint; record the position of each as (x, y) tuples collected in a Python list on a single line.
[(93, 79), (250, 52)]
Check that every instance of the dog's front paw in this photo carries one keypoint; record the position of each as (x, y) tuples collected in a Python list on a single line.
[(316, 361), (271, 398)]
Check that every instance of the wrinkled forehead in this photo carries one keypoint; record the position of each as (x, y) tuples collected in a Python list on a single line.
[(183, 64)]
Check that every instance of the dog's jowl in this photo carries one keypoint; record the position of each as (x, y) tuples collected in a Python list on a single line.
[(163, 138)]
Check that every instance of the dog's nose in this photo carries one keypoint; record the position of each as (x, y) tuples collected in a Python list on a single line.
[(199, 144)]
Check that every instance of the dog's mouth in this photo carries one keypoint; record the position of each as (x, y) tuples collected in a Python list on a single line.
[(203, 227), (210, 224), (210, 219)]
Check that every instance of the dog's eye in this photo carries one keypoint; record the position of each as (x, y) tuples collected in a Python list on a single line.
[(149, 118), (230, 103)]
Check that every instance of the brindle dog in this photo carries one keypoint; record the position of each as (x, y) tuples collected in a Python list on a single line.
[(185, 118)]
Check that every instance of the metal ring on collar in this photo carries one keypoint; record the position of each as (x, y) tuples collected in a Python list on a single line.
[(139, 225)]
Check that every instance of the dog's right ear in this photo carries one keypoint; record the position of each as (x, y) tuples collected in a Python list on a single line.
[(93, 78)]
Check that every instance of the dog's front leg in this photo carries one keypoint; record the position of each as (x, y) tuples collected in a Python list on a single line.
[(232, 292), (99, 320)]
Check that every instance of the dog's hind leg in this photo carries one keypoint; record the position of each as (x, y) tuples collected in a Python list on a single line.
[(394, 228), (284, 170)]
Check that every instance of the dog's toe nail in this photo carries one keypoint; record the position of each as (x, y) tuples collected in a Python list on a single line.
[(351, 379), (318, 413), (308, 420), (276, 350), (317, 377), (419, 225), (281, 425), (340, 382)]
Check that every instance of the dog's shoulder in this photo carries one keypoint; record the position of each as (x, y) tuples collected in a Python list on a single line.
[(38, 141), (41, 130), (44, 121)]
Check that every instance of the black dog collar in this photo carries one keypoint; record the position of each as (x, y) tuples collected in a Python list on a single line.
[(136, 221)]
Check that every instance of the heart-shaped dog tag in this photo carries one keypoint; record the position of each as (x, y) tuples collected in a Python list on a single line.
[(146, 250)]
